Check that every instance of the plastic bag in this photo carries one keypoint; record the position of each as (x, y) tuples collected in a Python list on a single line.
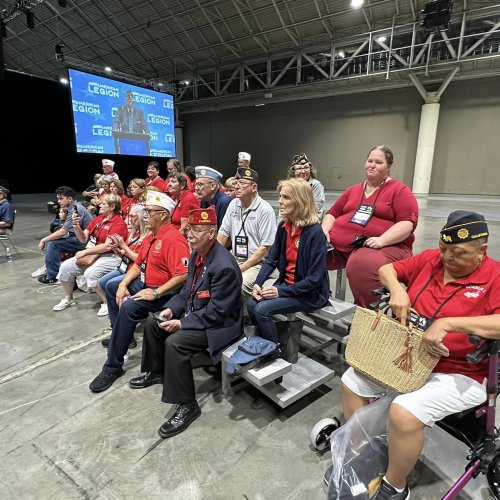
[(359, 452)]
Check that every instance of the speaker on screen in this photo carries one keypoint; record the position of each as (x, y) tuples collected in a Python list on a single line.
[(114, 117)]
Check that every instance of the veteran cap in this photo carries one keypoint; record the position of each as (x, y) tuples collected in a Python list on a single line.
[(111, 163), (244, 156), (208, 172), (247, 173), (202, 217), (160, 200), (463, 226)]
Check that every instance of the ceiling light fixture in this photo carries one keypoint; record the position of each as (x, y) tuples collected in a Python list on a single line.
[(381, 39), (356, 4), (108, 69), (63, 80)]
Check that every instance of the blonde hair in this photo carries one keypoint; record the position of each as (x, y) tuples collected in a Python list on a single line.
[(300, 191), (113, 199), (229, 182)]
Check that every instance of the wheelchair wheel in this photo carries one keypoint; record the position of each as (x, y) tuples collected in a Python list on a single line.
[(320, 433), (493, 476)]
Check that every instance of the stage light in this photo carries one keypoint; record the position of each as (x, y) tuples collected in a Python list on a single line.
[(30, 19), (437, 15), (59, 51), (63, 80)]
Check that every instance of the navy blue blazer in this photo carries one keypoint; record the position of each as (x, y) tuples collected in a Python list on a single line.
[(216, 301), (312, 284)]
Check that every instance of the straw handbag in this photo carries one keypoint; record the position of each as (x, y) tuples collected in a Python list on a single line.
[(388, 352)]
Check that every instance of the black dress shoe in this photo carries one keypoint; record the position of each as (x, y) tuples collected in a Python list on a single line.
[(184, 415), (143, 381), (105, 343), (104, 381)]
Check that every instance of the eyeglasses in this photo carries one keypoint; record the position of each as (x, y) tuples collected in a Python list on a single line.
[(197, 230), (147, 211), (301, 167), (241, 183), (201, 184)]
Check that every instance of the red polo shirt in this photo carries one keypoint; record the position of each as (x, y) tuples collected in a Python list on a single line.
[(101, 230), (476, 295), (166, 255), (292, 250), (187, 202)]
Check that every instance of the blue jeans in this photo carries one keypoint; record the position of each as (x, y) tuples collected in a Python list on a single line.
[(53, 250), (261, 313), (124, 321), (112, 277)]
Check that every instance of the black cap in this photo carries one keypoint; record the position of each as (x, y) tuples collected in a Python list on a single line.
[(463, 226), (247, 173)]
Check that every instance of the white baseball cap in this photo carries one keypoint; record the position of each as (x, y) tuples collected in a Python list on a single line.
[(244, 156), (160, 200)]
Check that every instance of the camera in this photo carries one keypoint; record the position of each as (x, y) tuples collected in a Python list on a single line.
[(53, 207)]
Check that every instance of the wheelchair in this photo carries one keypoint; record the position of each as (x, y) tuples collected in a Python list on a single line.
[(474, 427)]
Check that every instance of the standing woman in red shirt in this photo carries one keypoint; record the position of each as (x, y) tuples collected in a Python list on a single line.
[(186, 200), (371, 224), (153, 178)]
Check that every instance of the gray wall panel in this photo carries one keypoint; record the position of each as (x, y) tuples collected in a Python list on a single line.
[(336, 133), (467, 150)]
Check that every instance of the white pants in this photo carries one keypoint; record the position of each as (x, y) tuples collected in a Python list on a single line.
[(103, 265), (442, 394)]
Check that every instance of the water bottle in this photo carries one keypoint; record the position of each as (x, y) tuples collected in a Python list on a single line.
[(8, 255)]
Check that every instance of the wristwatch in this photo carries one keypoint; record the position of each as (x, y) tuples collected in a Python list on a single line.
[(154, 291)]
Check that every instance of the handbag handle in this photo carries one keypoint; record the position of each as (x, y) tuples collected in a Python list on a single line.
[(404, 360)]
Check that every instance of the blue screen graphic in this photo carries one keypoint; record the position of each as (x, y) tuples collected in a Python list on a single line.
[(115, 117)]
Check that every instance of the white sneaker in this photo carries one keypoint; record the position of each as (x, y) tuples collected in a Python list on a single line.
[(64, 304), (103, 311), (39, 272)]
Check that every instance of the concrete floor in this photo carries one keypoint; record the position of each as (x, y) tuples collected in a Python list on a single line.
[(60, 441)]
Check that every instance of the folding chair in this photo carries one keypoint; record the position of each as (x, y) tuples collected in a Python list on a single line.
[(5, 237)]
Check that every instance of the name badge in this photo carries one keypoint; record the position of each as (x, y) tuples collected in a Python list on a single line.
[(124, 264), (363, 214), (204, 294), (241, 243), (421, 323), (92, 242)]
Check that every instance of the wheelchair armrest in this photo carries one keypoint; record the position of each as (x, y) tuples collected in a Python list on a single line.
[(482, 350)]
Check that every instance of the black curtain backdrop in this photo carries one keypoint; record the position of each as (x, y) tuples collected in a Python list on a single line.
[(37, 152)]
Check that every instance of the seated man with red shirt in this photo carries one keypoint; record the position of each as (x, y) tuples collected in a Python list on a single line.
[(456, 289), (158, 272)]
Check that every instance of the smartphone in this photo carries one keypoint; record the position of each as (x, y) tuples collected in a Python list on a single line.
[(159, 318)]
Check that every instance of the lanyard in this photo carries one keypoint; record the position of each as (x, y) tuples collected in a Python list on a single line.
[(145, 262), (243, 220), (197, 270), (376, 197), (442, 304)]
